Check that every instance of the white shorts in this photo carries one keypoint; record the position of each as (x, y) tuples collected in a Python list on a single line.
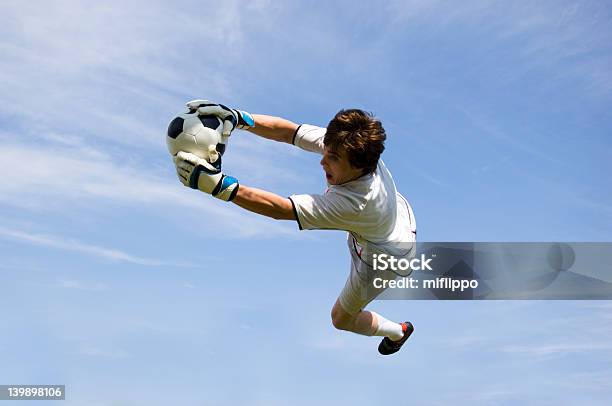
[(359, 289)]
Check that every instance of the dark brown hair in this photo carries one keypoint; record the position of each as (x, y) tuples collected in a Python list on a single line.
[(360, 134)]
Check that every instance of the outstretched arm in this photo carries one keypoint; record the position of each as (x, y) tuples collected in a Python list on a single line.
[(260, 201), (265, 203), (197, 173), (270, 127), (273, 128)]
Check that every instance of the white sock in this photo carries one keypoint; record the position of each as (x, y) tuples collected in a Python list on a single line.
[(388, 328)]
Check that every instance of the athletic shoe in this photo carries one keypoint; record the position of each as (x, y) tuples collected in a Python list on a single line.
[(388, 346)]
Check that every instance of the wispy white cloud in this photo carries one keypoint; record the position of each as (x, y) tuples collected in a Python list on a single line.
[(327, 342), (85, 85), (73, 284), (114, 69), (65, 178), (77, 246), (600, 207), (482, 395), (429, 177), (95, 351), (491, 165), (466, 341), (488, 127), (604, 305), (70, 35), (596, 380), (569, 38), (558, 349)]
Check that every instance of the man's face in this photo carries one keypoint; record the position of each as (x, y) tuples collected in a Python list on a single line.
[(337, 168)]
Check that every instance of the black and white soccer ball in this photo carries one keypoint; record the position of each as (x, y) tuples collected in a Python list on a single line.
[(199, 135)]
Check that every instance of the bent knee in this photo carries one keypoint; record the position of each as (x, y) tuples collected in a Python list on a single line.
[(341, 319), (341, 323)]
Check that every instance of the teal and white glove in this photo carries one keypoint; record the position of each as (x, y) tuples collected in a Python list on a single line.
[(232, 118), (197, 173)]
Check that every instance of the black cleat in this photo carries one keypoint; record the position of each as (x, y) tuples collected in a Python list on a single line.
[(388, 346)]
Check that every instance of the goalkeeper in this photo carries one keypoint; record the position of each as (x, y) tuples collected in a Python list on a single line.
[(361, 199)]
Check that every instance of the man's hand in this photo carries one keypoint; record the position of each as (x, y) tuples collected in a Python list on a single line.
[(232, 118), (197, 173)]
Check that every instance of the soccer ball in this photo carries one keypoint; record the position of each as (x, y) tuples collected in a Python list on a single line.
[(199, 135)]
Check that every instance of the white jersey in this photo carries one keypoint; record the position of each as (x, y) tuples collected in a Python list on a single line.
[(369, 208)]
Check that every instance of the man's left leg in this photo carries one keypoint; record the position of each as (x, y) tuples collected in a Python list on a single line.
[(366, 323)]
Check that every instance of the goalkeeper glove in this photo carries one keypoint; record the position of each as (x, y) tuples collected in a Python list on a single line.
[(232, 118), (197, 173)]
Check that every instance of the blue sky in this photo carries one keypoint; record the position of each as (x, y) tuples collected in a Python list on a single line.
[(131, 289)]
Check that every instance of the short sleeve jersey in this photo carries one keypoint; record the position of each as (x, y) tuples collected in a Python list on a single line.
[(369, 207)]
